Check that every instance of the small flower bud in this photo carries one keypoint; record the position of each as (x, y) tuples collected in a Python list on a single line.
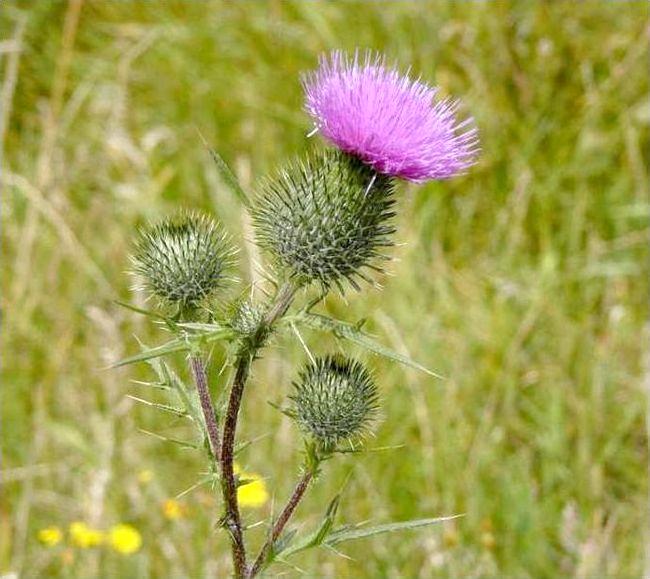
[(326, 219), (183, 260), (335, 399), (247, 317)]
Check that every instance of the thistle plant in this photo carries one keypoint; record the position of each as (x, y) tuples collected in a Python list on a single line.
[(325, 223)]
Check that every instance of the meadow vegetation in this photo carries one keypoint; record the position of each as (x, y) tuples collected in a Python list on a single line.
[(524, 283)]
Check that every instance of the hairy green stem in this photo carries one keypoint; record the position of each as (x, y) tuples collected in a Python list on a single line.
[(201, 380), (281, 522), (232, 517)]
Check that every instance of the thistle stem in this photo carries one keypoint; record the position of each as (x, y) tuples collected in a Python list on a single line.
[(201, 381), (281, 522), (232, 517)]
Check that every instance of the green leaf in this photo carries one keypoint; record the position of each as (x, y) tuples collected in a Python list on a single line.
[(170, 347), (354, 334), (187, 397), (182, 443), (149, 384), (138, 310), (350, 534), (227, 176), (317, 537), (212, 477), (281, 544), (208, 332), (368, 450), (164, 407)]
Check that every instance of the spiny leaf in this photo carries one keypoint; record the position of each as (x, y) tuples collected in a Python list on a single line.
[(353, 334), (176, 345), (282, 543), (183, 443), (156, 385), (318, 536), (144, 312), (202, 327), (188, 398), (164, 407), (208, 332), (367, 450), (350, 534), (206, 479)]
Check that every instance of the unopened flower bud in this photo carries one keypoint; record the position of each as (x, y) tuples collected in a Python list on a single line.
[(335, 399), (326, 219), (183, 260)]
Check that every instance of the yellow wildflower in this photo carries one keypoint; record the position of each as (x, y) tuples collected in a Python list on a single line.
[(145, 476), (50, 536), (84, 536), (173, 510), (125, 539), (253, 493)]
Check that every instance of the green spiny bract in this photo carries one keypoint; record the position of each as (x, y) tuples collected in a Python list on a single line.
[(334, 399), (247, 317), (183, 260), (326, 218)]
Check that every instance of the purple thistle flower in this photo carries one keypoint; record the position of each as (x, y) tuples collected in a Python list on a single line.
[(392, 123)]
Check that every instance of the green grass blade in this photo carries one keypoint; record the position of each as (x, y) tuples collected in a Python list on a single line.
[(226, 174)]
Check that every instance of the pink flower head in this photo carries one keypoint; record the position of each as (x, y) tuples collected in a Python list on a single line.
[(392, 123)]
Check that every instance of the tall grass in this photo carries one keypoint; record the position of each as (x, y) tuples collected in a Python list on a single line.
[(525, 283)]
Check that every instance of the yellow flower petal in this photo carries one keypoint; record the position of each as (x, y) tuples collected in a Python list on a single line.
[(173, 509), (83, 536), (254, 493), (50, 536), (145, 476), (125, 539)]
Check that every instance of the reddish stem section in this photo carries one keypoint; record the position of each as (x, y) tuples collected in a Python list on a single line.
[(281, 522), (201, 381)]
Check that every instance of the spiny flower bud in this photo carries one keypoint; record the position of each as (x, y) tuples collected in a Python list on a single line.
[(184, 259), (326, 218), (247, 317), (335, 399)]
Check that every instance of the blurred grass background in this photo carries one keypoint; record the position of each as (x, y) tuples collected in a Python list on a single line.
[(525, 283)]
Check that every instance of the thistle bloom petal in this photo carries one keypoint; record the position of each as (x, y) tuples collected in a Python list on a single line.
[(395, 124)]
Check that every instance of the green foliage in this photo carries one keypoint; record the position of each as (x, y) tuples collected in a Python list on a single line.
[(335, 399), (327, 218), (525, 283), (354, 334)]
